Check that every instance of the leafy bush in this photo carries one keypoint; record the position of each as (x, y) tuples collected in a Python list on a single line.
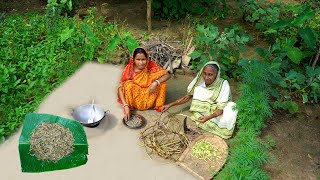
[(293, 55), (248, 7), (314, 23), (256, 12), (175, 9), (62, 6), (294, 18), (294, 34), (92, 38), (223, 47), (29, 62), (34, 59)]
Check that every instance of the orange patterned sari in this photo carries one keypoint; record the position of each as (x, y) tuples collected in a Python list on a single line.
[(135, 87)]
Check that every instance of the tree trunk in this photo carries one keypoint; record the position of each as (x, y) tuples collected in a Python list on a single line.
[(149, 9)]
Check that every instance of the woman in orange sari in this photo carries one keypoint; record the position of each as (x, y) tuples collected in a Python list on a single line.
[(143, 84)]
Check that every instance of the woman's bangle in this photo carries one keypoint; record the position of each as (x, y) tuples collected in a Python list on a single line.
[(124, 105), (158, 82)]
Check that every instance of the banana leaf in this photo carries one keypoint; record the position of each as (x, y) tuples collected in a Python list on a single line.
[(30, 163)]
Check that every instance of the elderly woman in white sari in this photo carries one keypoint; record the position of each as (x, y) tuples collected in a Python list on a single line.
[(211, 106)]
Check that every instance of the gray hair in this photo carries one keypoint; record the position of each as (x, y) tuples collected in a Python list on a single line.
[(214, 67)]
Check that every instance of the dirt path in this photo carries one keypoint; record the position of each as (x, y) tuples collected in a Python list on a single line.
[(297, 144)]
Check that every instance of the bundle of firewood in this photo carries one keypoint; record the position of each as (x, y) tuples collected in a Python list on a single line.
[(163, 53)]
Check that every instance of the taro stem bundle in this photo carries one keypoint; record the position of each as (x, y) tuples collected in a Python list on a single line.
[(165, 139)]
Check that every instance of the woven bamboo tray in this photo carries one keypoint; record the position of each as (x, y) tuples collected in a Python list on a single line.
[(204, 169)]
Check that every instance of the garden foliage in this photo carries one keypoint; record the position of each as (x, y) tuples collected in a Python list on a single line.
[(257, 12), (223, 47), (293, 54), (294, 45)]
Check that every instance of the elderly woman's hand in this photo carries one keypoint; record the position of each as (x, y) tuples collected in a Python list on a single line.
[(203, 119), (152, 87), (165, 107)]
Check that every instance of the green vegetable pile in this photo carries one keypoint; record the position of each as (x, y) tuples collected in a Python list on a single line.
[(204, 150)]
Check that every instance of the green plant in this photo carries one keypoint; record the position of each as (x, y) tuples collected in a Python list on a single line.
[(257, 12), (28, 62), (56, 8), (63, 6), (314, 23), (223, 47), (293, 55), (126, 40), (248, 7), (290, 81), (35, 60), (294, 18), (92, 38), (248, 152), (255, 91)]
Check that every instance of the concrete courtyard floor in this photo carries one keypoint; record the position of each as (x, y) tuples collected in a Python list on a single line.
[(115, 151)]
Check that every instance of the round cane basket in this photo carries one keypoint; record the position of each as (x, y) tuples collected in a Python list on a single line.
[(202, 169)]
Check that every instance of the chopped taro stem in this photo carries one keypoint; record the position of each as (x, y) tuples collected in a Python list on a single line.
[(204, 150)]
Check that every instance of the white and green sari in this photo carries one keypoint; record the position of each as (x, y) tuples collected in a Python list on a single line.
[(207, 99)]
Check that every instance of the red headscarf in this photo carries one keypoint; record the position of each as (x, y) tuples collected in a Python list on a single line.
[(128, 72), (144, 78)]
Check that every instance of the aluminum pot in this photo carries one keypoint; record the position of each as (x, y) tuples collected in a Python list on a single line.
[(89, 115)]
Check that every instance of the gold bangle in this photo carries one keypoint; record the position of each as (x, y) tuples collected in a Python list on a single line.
[(124, 105)]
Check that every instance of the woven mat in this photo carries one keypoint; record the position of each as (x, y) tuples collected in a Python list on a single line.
[(200, 168)]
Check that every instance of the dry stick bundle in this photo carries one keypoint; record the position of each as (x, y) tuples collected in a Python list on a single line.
[(165, 138), (162, 52)]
